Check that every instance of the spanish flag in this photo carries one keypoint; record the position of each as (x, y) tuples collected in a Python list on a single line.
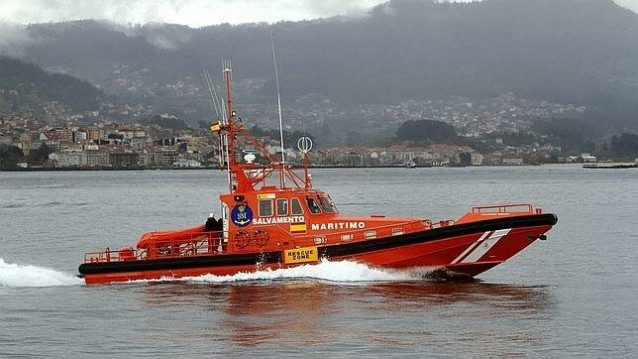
[(298, 227)]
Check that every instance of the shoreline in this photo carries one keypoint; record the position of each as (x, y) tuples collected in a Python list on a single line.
[(97, 169)]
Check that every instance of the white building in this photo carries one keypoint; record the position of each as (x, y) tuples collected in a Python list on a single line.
[(187, 164), (68, 158)]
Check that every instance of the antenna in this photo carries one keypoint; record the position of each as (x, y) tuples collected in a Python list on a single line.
[(281, 130), (212, 92), (304, 144)]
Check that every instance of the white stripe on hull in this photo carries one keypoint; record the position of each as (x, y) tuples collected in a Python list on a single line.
[(471, 247), (480, 251)]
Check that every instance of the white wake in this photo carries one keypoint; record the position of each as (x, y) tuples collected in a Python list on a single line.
[(18, 275), (339, 272)]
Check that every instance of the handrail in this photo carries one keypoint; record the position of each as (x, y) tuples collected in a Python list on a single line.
[(198, 244), (503, 208)]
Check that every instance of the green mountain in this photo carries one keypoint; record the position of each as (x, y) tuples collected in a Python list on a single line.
[(24, 86)]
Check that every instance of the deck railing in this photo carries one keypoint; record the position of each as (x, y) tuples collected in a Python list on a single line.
[(161, 247), (505, 208)]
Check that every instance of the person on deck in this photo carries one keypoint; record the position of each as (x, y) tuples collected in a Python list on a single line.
[(216, 226), (211, 223)]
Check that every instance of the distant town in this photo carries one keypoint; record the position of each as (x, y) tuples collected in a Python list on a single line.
[(101, 140)]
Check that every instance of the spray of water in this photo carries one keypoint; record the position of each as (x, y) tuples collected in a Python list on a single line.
[(344, 272), (17, 275)]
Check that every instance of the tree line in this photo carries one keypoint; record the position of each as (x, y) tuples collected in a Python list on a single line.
[(11, 155)]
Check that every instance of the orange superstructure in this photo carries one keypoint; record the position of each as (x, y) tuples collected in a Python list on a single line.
[(272, 217)]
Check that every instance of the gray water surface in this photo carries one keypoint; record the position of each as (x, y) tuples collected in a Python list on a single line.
[(572, 295)]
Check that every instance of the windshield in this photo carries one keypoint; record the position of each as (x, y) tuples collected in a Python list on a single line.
[(332, 204), (312, 205), (325, 204)]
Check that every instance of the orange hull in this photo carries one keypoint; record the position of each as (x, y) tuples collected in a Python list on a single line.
[(469, 249)]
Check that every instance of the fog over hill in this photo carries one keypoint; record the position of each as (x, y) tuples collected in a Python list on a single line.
[(583, 52)]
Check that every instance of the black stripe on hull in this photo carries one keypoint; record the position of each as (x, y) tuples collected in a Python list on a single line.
[(437, 234), (330, 251), (180, 263)]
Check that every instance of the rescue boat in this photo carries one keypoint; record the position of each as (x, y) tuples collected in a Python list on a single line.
[(272, 217)]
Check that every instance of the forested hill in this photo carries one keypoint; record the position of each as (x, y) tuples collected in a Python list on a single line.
[(567, 51), (24, 86)]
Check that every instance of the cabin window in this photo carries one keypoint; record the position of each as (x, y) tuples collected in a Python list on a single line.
[(282, 207), (265, 208), (312, 205), (325, 204), (296, 207)]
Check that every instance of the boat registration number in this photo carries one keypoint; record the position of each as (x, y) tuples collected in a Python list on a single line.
[(301, 255)]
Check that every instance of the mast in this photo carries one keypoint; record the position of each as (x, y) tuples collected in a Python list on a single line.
[(230, 114), (228, 138), (237, 180), (243, 177)]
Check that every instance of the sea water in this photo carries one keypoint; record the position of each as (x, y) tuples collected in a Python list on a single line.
[(574, 294)]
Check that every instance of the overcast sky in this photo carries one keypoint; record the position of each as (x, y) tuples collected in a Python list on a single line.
[(194, 13)]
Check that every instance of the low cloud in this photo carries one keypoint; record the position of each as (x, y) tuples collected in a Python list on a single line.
[(194, 13), (14, 40), (166, 38)]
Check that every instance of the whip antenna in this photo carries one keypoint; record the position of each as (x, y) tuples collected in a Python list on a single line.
[(281, 129)]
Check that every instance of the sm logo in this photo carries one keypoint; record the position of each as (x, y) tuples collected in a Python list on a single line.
[(241, 215)]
